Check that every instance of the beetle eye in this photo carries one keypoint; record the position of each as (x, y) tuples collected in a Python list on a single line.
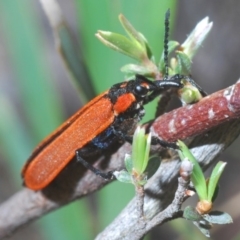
[(141, 90)]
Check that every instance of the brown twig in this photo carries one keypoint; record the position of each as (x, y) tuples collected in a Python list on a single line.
[(72, 183), (174, 209), (139, 189)]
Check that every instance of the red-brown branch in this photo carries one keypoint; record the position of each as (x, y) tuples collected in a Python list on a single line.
[(195, 119)]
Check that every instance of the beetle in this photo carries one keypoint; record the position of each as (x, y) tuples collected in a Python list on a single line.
[(108, 118), (112, 116)]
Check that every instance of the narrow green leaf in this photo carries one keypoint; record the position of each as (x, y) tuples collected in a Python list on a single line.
[(138, 149), (214, 178), (132, 32), (69, 50), (147, 151), (215, 195), (149, 50), (133, 69), (121, 44), (197, 176), (70, 53)]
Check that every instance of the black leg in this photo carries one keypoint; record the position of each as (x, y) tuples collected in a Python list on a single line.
[(190, 80), (172, 82), (156, 140), (90, 150), (108, 175)]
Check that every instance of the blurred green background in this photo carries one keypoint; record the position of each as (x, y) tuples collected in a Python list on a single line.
[(36, 95)]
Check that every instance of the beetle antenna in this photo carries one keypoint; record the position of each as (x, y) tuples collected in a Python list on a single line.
[(165, 46)]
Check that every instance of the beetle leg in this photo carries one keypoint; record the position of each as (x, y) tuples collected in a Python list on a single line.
[(189, 79), (154, 140), (173, 82), (106, 175), (122, 137), (109, 175), (165, 144)]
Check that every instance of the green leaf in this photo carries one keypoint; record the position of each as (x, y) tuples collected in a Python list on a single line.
[(70, 53), (203, 227), (191, 214), (215, 195), (121, 44), (217, 217), (183, 63), (136, 37), (149, 51), (138, 149), (197, 176), (147, 145), (69, 50), (123, 176), (128, 163), (133, 69), (214, 178)]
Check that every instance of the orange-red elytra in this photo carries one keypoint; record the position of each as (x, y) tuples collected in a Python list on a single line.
[(53, 154), (108, 118)]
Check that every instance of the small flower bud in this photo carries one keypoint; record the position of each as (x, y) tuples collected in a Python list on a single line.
[(204, 207), (186, 169)]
